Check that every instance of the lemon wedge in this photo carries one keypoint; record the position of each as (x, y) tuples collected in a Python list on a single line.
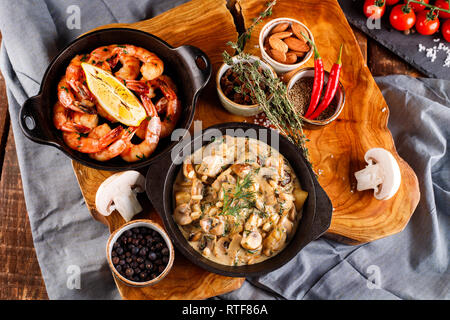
[(113, 96)]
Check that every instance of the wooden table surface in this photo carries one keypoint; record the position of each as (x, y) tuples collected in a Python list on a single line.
[(20, 276)]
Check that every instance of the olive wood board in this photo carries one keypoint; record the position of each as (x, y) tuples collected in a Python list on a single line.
[(336, 151)]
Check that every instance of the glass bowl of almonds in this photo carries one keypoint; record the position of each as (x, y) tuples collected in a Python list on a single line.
[(283, 46)]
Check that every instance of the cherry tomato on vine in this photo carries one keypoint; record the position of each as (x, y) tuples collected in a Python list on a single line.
[(418, 7), (391, 2), (402, 17), (444, 4), (446, 30), (374, 8), (427, 22)]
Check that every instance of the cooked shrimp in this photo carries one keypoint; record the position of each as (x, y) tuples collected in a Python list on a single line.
[(76, 78), (152, 66), (171, 108), (68, 99), (161, 105), (130, 69), (85, 144), (101, 57), (85, 119), (153, 130), (107, 57), (114, 149), (63, 120)]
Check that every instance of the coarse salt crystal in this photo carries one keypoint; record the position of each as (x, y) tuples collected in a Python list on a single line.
[(432, 52)]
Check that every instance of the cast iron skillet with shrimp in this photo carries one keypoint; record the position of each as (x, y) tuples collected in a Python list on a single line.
[(64, 117), (141, 71)]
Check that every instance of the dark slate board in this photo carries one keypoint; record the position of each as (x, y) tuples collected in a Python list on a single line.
[(405, 46)]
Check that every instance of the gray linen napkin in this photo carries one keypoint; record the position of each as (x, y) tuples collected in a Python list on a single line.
[(411, 264)]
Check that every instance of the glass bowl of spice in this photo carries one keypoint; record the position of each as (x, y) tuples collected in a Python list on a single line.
[(299, 91), (234, 93), (140, 253)]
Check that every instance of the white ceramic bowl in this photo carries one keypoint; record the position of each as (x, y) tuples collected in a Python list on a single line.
[(281, 67), (231, 106), (132, 224)]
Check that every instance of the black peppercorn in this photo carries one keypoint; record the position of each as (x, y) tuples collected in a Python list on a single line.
[(140, 254), (152, 256), (129, 272)]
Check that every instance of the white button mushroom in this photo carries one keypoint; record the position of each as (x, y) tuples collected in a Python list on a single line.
[(381, 174), (252, 240), (119, 192)]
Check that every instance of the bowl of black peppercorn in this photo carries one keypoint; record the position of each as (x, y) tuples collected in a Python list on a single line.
[(140, 253)]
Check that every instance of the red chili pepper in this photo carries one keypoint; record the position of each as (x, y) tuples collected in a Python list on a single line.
[(332, 85), (318, 80)]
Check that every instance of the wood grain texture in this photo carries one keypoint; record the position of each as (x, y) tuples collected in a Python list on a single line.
[(383, 62), (20, 276), (208, 25), (337, 151)]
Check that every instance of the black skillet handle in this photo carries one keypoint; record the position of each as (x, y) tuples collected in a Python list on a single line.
[(199, 63), (31, 120), (324, 211), (155, 181)]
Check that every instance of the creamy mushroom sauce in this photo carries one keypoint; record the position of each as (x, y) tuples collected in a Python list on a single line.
[(237, 201)]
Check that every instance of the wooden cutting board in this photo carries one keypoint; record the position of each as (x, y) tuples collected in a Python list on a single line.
[(337, 150)]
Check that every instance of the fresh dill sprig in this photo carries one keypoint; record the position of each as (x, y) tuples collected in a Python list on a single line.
[(234, 201)]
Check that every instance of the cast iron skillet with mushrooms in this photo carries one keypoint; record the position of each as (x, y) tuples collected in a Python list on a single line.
[(237, 201)]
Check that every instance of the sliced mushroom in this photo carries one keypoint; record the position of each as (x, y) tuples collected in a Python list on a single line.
[(211, 166), (274, 241), (195, 236), (214, 226), (268, 172), (253, 222), (217, 227), (251, 240), (234, 247), (241, 170), (206, 244), (381, 174), (197, 190), (221, 249), (287, 224), (287, 201), (205, 224), (223, 177), (182, 197), (182, 214), (119, 192), (188, 169), (268, 192)]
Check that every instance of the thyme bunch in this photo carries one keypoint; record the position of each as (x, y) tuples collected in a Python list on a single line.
[(276, 105)]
